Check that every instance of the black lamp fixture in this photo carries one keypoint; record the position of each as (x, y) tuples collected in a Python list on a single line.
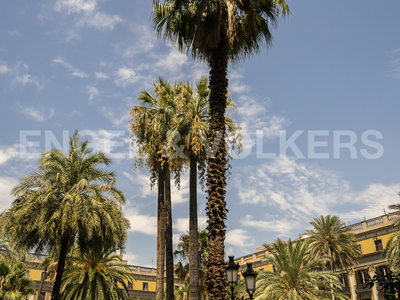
[(250, 279), (249, 276)]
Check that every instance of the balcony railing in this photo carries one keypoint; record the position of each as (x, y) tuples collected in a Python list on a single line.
[(375, 222)]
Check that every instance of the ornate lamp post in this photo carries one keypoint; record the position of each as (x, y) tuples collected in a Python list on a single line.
[(249, 277), (250, 280), (232, 273)]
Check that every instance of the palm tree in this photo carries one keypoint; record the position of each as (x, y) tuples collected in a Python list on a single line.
[(182, 268), (14, 281), (296, 276), (69, 198), (330, 237), (392, 248), (97, 274), (217, 31), (152, 119)]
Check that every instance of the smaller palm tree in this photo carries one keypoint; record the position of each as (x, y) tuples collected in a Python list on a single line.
[(14, 281), (392, 249), (97, 274), (330, 237), (296, 276)]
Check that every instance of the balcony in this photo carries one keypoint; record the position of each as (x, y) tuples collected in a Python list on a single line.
[(346, 290), (362, 288)]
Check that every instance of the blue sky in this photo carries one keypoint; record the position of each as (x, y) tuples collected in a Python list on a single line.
[(332, 78)]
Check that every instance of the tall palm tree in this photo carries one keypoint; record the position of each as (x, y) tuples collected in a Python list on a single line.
[(69, 198), (217, 31), (296, 276), (151, 120), (14, 281), (330, 237), (192, 123), (96, 274)]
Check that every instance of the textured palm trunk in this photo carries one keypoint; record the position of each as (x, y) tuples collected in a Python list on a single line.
[(216, 173), (168, 235), (55, 295), (40, 297), (160, 235), (193, 232)]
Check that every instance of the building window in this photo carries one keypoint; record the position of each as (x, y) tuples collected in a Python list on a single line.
[(130, 286), (43, 274), (378, 245), (145, 286), (344, 279), (382, 270), (361, 276)]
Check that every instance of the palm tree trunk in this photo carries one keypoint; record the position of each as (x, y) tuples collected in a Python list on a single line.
[(41, 284), (193, 233), (168, 235), (160, 235), (55, 295), (216, 173)]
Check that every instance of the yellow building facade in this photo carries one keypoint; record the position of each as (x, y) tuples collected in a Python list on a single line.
[(372, 237), (144, 287)]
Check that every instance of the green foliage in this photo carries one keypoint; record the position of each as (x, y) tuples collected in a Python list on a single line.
[(96, 274), (68, 195), (14, 281), (390, 283), (296, 276), (196, 26), (182, 267), (330, 237)]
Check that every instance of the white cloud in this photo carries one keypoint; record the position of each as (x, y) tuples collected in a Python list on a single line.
[(143, 181), (100, 75), (90, 16), (181, 225), (39, 114), (126, 76), (93, 92), (76, 6), (73, 71), (8, 153), (172, 62), (254, 116), (117, 121), (395, 57), (3, 68), (100, 20), (6, 184), (282, 227), (300, 192), (239, 238), (144, 41), (235, 85), (146, 224), (14, 32)]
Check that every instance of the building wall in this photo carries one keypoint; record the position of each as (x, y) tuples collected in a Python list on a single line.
[(367, 232)]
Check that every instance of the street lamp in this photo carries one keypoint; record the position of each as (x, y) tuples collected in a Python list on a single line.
[(232, 273), (250, 280), (249, 277)]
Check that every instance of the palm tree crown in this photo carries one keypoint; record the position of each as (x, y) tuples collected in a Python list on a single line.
[(296, 276), (330, 237), (97, 274), (69, 198)]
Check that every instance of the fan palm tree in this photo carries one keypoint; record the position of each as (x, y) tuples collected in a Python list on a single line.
[(152, 119), (296, 276), (330, 237), (14, 281), (97, 274), (217, 31), (69, 198)]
